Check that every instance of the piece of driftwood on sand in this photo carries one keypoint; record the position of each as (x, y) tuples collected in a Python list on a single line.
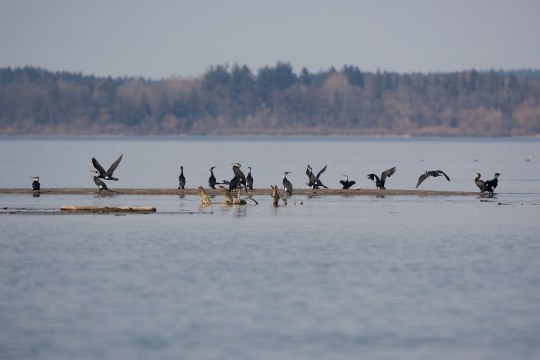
[(107, 209)]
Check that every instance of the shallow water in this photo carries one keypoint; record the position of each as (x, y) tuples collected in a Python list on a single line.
[(325, 277)]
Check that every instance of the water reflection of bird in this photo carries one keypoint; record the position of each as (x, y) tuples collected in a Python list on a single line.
[(479, 182), (181, 179), (106, 175), (433, 173), (249, 179), (99, 183), (490, 185), (379, 182), (346, 183), (36, 186), (287, 185), (314, 181)]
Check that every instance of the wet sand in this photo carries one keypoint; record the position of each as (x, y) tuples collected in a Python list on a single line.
[(255, 192)]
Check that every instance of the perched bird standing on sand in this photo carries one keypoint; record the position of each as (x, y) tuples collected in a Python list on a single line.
[(314, 181), (36, 186), (479, 182), (181, 179), (287, 185), (379, 182), (433, 173), (99, 183), (106, 175), (346, 183), (249, 179), (212, 179), (490, 185)]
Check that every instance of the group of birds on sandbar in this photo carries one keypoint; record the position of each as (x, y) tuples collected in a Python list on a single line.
[(241, 181)]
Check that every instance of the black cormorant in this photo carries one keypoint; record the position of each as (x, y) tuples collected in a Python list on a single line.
[(239, 175), (106, 175), (380, 182), (314, 181), (234, 184), (212, 179), (35, 183), (490, 185), (480, 183), (181, 179), (346, 183), (287, 184), (99, 183), (249, 179), (433, 173)]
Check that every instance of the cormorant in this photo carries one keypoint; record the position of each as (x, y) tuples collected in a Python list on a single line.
[(346, 183), (249, 179), (433, 173), (490, 185), (99, 183), (314, 181), (480, 183), (234, 184), (35, 184), (181, 179), (212, 179), (106, 175), (380, 182), (240, 175), (287, 184)]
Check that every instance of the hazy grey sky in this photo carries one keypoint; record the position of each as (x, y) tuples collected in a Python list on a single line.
[(161, 38)]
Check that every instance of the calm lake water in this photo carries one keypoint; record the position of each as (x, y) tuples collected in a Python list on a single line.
[(325, 277)]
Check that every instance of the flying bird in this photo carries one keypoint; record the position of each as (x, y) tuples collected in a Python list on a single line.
[(433, 173), (379, 182), (106, 175)]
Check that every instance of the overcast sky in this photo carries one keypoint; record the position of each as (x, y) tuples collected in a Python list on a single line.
[(161, 38)]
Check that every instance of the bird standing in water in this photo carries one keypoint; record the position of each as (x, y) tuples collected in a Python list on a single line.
[(379, 182), (287, 185), (36, 186), (106, 175), (181, 179), (346, 183), (433, 173)]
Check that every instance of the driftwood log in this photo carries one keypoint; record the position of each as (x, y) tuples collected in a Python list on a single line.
[(107, 209), (276, 195)]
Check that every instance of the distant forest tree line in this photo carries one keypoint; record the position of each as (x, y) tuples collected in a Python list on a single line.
[(275, 100)]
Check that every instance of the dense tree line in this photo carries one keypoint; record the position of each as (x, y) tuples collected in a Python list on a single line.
[(274, 100)]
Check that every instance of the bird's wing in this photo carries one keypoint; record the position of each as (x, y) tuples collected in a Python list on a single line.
[(351, 183), (322, 170), (98, 166), (114, 165), (446, 176), (388, 173), (373, 177), (342, 182), (422, 177)]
